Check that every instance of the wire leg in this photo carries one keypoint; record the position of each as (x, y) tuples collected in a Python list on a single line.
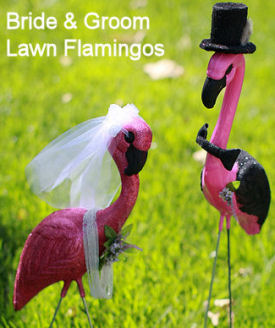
[(87, 312), (229, 278), (212, 280), (55, 312)]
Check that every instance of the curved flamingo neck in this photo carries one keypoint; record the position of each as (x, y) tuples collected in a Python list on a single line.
[(223, 127), (117, 213)]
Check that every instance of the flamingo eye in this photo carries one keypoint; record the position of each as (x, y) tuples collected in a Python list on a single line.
[(229, 69), (129, 137)]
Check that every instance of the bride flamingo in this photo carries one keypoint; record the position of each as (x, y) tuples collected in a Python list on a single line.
[(232, 180), (62, 245)]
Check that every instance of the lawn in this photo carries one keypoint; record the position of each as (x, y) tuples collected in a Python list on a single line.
[(166, 284)]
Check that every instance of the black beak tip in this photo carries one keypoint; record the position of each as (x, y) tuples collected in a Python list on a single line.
[(207, 104), (128, 172), (136, 160), (211, 90)]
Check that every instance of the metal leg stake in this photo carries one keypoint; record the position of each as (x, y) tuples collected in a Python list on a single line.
[(229, 278), (87, 312), (212, 280), (55, 312)]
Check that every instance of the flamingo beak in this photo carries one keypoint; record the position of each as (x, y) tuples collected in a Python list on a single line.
[(211, 90), (136, 160)]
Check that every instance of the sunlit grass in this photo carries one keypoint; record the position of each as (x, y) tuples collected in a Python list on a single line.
[(167, 284)]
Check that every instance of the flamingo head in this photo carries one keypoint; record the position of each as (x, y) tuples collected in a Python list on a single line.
[(221, 71), (130, 146)]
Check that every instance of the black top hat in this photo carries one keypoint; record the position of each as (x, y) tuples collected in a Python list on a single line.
[(230, 29)]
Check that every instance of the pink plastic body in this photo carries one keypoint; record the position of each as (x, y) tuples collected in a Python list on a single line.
[(215, 177), (54, 250)]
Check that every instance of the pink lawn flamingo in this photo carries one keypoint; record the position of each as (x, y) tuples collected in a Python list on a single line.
[(54, 250), (248, 200), (249, 203)]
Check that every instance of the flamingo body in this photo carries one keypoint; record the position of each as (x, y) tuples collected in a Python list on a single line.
[(250, 201), (54, 250)]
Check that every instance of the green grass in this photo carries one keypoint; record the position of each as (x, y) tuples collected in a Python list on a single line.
[(166, 284)]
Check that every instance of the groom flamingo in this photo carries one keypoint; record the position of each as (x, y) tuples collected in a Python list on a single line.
[(247, 199)]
